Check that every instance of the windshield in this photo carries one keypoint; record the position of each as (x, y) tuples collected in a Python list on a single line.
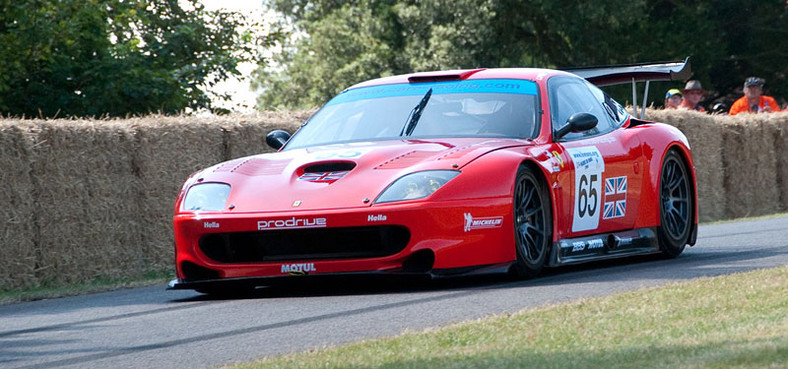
[(476, 108)]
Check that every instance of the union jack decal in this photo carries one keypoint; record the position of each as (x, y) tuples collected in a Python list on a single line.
[(615, 197), (323, 177)]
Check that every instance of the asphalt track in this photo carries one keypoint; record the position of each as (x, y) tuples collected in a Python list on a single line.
[(153, 328)]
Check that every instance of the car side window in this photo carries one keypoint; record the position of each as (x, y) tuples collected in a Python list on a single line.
[(616, 112), (570, 95)]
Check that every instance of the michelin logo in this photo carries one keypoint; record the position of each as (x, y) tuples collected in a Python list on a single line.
[(472, 223)]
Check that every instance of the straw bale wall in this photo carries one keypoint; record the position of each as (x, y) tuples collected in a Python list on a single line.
[(94, 198), (18, 250), (83, 199), (780, 128), (85, 179), (705, 136), (750, 164)]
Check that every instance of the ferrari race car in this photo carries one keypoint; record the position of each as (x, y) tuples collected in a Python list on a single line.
[(444, 174)]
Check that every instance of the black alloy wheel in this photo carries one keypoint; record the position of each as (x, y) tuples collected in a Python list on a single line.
[(676, 205), (533, 223)]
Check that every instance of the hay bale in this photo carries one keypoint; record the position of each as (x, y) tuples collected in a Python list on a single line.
[(18, 230), (88, 225), (705, 137), (750, 166), (778, 124), (169, 149)]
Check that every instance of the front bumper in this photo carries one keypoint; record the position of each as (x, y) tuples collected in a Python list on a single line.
[(447, 236), (230, 284)]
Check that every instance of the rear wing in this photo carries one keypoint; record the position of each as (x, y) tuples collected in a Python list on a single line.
[(634, 73)]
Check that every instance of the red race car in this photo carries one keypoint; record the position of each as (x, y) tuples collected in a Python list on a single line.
[(443, 174)]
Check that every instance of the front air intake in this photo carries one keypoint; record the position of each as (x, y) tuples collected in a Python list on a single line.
[(305, 244), (419, 262), (194, 272)]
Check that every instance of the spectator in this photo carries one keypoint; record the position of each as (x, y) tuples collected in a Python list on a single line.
[(753, 100), (693, 93), (672, 98)]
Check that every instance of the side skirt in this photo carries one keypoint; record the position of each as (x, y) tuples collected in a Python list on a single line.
[(604, 246)]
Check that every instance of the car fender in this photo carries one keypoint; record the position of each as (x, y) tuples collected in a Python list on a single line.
[(658, 139)]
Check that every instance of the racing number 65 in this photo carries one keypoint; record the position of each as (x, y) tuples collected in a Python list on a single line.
[(587, 199), (589, 166)]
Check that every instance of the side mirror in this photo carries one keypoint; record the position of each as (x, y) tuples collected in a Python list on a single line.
[(578, 122), (277, 138)]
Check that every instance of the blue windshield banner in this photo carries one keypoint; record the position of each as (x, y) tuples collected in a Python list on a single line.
[(496, 86)]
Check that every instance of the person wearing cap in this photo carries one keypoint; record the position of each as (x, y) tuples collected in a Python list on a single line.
[(673, 98), (693, 93), (753, 100)]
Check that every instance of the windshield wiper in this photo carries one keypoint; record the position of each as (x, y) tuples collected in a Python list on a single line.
[(415, 115)]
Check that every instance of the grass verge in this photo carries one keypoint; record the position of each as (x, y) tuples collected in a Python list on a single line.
[(732, 321), (97, 285)]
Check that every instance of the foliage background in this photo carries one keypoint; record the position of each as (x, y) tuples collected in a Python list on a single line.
[(336, 44), (117, 57), (132, 57)]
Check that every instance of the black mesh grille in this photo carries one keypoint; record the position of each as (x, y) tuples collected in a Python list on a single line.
[(305, 244)]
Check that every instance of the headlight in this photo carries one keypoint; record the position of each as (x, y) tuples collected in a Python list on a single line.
[(206, 197), (416, 185)]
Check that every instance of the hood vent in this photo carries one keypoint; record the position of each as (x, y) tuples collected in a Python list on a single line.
[(339, 166), (406, 160), (326, 172), (459, 152), (254, 167)]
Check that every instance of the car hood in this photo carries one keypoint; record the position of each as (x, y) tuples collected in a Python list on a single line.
[(338, 176)]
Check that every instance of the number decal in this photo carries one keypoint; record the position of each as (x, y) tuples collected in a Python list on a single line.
[(587, 198), (589, 166)]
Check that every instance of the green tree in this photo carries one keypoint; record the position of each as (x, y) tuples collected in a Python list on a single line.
[(115, 57), (344, 42), (754, 37)]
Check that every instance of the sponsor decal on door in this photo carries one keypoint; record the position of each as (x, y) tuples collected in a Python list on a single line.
[(589, 167)]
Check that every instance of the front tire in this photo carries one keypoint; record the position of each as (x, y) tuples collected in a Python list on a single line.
[(533, 223), (676, 205)]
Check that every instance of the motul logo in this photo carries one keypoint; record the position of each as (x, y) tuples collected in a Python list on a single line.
[(291, 223), (298, 268)]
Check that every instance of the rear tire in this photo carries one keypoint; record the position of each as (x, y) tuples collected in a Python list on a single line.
[(676, 205), (533, 223)]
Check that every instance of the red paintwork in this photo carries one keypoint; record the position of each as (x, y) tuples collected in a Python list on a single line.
[(264, 187)]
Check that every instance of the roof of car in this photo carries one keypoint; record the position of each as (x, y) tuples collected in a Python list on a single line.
[(600, 75), (532, 74)]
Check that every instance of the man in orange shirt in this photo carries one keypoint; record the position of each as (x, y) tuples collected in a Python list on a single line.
[(753, 101)]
